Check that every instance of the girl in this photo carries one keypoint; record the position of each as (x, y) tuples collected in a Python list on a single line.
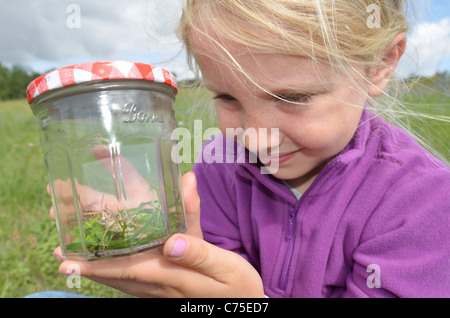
[(354, 208)]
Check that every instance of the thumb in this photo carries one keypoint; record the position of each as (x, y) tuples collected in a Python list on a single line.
[(199, 255), (192, 204), (230, 270)]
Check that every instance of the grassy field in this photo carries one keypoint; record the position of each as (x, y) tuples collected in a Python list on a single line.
[(27, 234)]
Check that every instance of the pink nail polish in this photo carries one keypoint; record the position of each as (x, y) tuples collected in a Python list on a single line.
[(58, 258), (178, 248)]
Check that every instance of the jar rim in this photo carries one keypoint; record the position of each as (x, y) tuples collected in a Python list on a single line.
[(98, 71)]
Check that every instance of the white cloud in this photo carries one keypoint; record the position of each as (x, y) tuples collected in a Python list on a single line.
[(36, 33), (428, 48)]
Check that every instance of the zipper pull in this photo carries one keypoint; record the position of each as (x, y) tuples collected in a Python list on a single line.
[(291, 232)]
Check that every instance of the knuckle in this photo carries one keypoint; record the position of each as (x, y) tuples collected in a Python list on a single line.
[(201, 257), (127, 275)]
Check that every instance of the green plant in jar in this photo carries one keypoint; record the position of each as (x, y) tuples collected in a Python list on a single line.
[(107, 230)]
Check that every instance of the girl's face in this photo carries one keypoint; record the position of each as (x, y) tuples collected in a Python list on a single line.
[(310, 134)]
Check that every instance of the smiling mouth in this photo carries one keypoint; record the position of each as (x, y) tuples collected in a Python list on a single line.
[(279, 158)]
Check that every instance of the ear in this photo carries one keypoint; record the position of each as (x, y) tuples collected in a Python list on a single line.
[(383, 72)]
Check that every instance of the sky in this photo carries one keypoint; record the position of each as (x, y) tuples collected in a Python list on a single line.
[(47, 34)]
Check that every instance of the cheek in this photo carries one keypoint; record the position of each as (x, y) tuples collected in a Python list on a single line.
[(223, 124), (227, 119), (342, 131), (328, 133)]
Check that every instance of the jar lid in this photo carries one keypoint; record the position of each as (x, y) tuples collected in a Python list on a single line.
[(98, 71)]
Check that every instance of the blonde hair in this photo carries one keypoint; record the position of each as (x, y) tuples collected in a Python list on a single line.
[(337, 32), (318, 29)]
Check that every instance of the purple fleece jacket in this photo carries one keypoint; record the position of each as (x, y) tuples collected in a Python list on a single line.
[(375, 222)]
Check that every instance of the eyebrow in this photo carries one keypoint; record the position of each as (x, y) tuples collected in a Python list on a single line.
[(270, 92), (210, 88), (306, 90), (294, 90)]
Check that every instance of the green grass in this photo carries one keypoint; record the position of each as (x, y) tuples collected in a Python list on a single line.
[(435, 133), (28, 236)]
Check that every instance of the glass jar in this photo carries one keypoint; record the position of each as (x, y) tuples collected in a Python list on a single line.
[(105, 131)]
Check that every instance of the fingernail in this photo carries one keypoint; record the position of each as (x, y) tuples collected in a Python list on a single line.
[(178, 248), (58, 258)]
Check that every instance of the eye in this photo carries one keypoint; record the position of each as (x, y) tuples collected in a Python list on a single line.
[(224, 97), (295, 98)]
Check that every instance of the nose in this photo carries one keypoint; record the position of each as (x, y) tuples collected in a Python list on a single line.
[(261, 130), (256, 114)]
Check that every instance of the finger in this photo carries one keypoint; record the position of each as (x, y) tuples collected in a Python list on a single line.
[(52, 210), (147, 274), (201, 256), (143, 274), (135, 185), (192, 204), (121, 267), (129, 172), (191, 198), (52, 214), (58, 254), (236, 275), (63, 191)]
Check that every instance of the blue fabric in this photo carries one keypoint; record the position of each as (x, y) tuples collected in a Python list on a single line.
[(55, 294)]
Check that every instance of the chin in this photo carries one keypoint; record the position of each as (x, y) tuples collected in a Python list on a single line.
[(286, 174)]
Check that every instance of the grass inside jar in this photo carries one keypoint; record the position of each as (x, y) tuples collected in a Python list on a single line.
[(110, 230)]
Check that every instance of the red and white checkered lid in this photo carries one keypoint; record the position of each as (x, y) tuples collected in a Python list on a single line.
[(98, 71)]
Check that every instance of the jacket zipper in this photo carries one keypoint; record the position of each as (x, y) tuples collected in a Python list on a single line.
[(291, 240), (293, 210)]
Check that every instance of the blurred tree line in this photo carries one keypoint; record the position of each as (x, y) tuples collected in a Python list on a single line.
[(437, 83), (14, 81)]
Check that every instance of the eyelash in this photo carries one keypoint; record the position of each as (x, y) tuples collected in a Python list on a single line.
[(225, 97), (295, 99), (291, 99)]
